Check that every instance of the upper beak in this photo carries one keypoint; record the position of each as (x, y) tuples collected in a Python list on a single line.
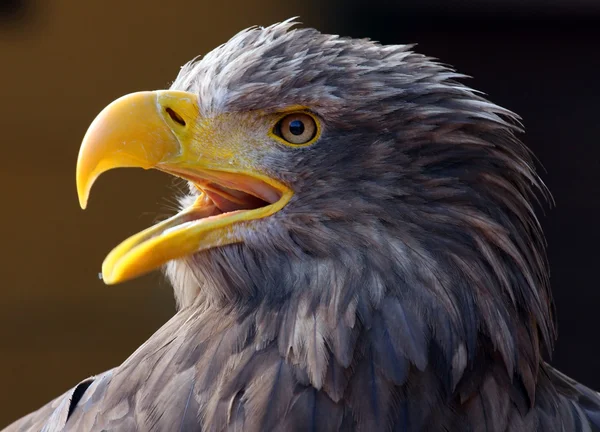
[(164, 130), (134, 131)]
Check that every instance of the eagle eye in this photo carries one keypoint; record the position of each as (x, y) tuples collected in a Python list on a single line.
[(296, 128)]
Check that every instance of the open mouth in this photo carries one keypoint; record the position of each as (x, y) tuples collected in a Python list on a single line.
[(242, 195), (227, 202), (164, 130)]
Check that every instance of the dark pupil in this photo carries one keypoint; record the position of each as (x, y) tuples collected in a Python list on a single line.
[(296, 127)]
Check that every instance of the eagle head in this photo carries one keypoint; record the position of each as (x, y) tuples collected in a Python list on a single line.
[(355, 183)]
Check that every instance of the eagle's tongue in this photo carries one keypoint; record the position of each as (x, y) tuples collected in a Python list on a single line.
[(228, 200)]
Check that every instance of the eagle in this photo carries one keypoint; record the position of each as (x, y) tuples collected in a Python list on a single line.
[(357, 250)]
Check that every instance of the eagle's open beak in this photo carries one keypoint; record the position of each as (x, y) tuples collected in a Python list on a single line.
[(164, 130)]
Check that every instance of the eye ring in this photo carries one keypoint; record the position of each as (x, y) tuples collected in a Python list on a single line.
[(297, 128)]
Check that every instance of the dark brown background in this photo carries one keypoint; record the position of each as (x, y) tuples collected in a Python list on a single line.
[(62, 61)]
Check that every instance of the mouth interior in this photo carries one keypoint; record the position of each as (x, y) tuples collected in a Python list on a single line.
[(228, 200), (218, 201)]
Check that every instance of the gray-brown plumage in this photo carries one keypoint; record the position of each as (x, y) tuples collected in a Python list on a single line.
[(404, 287)]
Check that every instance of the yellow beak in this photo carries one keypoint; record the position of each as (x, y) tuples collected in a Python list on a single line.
[(164, 130)]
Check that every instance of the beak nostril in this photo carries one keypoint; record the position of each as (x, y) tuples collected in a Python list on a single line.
[(175, 117)]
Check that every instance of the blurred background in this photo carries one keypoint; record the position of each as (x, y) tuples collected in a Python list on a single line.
[(62, 61)]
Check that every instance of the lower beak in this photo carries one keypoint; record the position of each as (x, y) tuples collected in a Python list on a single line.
[(164, 130)]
